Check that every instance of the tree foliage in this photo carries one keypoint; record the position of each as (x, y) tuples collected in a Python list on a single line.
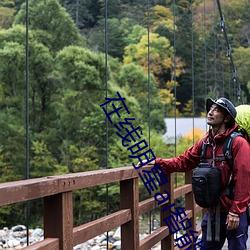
[(53, 25)]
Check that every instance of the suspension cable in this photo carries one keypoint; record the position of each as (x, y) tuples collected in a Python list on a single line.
[(27, 207), (205, 50), (149, 121), (229, 53), (106, 82), (148, 27), (192, 77), (222, 68), (215, 52), (174, 76)]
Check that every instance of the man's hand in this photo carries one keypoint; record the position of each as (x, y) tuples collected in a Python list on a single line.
[(232, 222), (144, 161)]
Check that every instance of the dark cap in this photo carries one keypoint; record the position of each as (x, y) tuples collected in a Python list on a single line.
[(223, 103)]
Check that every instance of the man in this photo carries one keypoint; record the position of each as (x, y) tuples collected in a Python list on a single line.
[(221, 115)]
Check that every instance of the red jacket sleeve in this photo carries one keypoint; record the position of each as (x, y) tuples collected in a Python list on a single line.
[(185, 162)]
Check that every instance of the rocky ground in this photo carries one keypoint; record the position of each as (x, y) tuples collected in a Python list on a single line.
[(16, 238)]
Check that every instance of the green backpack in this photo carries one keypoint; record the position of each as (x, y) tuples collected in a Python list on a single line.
[(243, 120)]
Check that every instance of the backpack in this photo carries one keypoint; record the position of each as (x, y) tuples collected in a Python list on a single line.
[(206, 179), (243, 120)]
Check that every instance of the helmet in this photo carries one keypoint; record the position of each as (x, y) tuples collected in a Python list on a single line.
[(223, 103)]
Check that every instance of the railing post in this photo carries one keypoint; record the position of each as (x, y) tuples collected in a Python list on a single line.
[(58, 219), (190, 202), (168, 242), (129, 198)]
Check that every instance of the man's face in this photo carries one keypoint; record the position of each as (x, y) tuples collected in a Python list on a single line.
[(215, 116)]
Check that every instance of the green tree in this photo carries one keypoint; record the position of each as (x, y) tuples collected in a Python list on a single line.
[(53, 25), (79, 73), (13, 60), (42, 163), (117, 31), (84, 13), (161, 57), (136, 83), (241, 56), (6, 17)]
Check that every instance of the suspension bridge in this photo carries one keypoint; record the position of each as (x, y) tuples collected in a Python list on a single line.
[(56, 192)]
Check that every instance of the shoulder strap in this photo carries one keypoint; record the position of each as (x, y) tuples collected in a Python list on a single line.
[(203, 152), (227, 148)]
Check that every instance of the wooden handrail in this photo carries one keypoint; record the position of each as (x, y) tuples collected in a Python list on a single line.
[(58, 208)]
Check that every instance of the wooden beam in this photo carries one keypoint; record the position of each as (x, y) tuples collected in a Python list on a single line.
[(58, 219), (185, 189), (168, 242), (24, 190), (148, 205), (46, 244), (129, 197), (94, 178), (90, 230), (154, 238)]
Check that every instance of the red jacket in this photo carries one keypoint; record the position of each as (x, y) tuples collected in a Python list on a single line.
[(241, 167)]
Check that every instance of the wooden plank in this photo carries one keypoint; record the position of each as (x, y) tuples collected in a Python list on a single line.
[(168, 242), (94, 178), (24, 190), (46, 244), (90, 230), (185, 189), (58, 219), (154, 238), (129, 196), (190, 202), (148, 205)]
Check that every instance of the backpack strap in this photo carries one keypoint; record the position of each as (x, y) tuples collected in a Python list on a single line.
[(227, 151), (203, 152), (227, 148)]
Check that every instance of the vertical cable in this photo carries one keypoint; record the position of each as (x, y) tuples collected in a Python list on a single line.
[(236, 87), (27, 207), (106, 81), (174, 76), (148, 24), (205, 51), (222, 69), (229, 84), (175, 92), (215, 52), (149, 122), (223, 79), (192, 28)]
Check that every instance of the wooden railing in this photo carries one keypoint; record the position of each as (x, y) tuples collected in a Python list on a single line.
[(56, 192)]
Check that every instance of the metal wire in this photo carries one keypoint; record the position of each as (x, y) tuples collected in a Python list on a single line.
[(205, 50), (148, 26), (215, 52), (27, 207), (236, 82), (106, 81), (193, 94)]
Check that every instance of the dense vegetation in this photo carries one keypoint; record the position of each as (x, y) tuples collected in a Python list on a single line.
[(74, 64)]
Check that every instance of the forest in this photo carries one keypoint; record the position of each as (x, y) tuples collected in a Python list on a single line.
[(164, 57)]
